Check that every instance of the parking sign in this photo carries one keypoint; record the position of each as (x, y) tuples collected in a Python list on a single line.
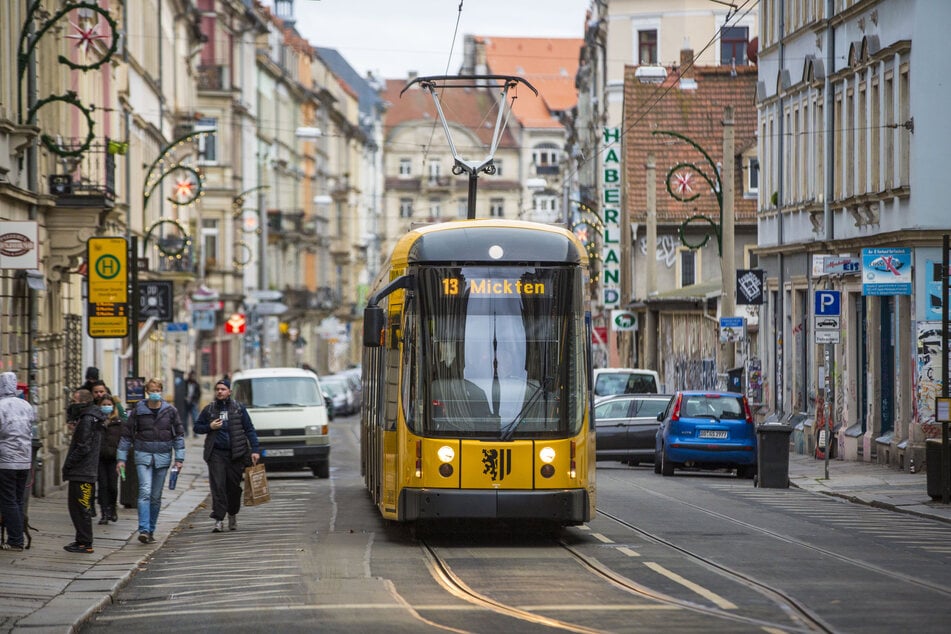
[(828, 303)]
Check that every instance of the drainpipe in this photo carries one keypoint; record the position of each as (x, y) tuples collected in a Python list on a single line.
[(780, 310)]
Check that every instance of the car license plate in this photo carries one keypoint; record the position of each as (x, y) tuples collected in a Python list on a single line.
[(277, 453), (712, 433)]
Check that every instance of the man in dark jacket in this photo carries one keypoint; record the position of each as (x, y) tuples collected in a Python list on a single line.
[(231, 445), (92, 375), (81, 466)]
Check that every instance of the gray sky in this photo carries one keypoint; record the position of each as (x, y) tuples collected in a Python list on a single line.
[(392, 37)]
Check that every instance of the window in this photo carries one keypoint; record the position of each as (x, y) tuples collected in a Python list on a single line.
[(432, 170), (406, 167), (688, 267), (545, 203), (647, 47), (406, 207), (209, 243), (207, 143), (497, 208), (733, 41), (752, 175), (434, 208), (545, 158)]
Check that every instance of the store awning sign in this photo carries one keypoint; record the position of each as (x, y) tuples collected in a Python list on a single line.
[(18, 245)]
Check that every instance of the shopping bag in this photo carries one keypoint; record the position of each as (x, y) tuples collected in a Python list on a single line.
[(255, 486)]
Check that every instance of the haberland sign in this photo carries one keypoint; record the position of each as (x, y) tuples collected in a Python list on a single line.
[(611, 218), (18, 244)]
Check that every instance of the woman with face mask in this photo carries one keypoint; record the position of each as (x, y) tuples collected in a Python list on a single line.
[(108, 482), (155, 434)]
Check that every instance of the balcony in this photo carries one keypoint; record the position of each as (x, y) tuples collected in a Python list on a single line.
[(214, 77), (85, 180)]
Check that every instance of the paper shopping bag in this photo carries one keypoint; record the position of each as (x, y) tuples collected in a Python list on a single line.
[(255, 486)]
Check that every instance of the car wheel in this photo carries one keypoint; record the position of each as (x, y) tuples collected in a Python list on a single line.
[(321, 470), (633, 463), (657, 462), (666, 466)]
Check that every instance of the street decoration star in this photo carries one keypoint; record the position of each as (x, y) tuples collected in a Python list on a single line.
[(85, 37), (184, 189), (682, 183)]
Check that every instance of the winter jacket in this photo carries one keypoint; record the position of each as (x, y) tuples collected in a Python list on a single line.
[(111, 433), (82, 458), (236, 436), (153, 431), (16, 426)]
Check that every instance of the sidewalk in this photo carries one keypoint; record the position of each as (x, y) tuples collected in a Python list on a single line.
[(867, 483), (45, 589)]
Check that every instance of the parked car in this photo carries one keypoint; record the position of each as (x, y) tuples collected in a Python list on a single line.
[(626, 426), (611, 381), (354, 381), (706, 430), (339, 393)]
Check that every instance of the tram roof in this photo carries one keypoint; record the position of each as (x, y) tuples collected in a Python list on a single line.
[(470, 240)]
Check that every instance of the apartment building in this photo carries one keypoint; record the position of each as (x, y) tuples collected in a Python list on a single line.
[(851, 138)]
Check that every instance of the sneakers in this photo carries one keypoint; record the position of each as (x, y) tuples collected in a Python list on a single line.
[(76, 547), (232, 522), (151, 539), (219, 527), (113, 516), (144, 537), (11, 547)]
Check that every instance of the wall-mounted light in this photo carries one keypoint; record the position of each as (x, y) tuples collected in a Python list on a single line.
[(308, 132)]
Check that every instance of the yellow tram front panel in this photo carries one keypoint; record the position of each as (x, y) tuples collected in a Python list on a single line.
[(497, 465)]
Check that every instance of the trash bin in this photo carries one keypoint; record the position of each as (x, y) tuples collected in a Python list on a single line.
[(933, 466), (772, 456)]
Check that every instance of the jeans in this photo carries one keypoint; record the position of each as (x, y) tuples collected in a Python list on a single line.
[(191, 415), (12, 502), (151, 481)]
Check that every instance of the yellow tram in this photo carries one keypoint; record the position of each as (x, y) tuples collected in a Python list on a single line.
[(476, 371)]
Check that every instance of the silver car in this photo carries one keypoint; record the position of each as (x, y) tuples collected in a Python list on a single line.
[(626, 426)]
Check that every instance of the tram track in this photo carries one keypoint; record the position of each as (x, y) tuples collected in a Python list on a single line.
[(801, 618)]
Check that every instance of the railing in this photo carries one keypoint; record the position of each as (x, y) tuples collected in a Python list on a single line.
[(214, 77), (93, 173)]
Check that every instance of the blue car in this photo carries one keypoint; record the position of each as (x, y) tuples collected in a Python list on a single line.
[(706, 430)]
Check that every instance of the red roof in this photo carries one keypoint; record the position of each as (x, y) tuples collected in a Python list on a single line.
[(474, 109), (698, 115), (549, 64)]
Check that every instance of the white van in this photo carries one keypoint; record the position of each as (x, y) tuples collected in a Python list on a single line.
[(611, 381), (289, 413)]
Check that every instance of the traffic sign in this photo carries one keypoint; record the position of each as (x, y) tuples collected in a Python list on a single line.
[(155, 300), (266, 295), (271, 308), (828, 303), (107, 304)]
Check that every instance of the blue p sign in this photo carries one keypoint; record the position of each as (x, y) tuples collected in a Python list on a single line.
[(828, 303)]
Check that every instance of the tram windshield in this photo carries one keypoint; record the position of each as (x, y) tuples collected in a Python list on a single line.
[(500, 352)]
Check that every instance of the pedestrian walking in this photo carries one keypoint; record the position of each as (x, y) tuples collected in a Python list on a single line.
[(99, 391), (231, 445), (108, 481), (17, 418), (92, 375), (81, 466), (192, 400), (153, 433)]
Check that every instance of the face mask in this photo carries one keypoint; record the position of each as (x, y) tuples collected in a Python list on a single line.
[(107, 409), (74, 410), (155, 396)]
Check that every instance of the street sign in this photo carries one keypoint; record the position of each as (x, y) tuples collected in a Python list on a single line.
[(176, 326), (108, 295), (623, 321), (828, 303), (827, 336), (203, 320), (732, 329), (212, 306), (155, 300)]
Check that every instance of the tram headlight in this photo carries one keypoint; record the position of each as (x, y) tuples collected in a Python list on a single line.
[(546, 455), (446, 453)]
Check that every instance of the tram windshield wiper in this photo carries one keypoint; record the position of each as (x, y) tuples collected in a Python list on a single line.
[(543, 389)]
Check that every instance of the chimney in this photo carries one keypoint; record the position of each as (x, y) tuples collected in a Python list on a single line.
[(686, 63)]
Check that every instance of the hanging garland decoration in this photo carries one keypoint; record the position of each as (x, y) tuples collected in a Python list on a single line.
[(163, 248), (162, 167), (48, 141), (27, 44), (678, 186), (238, 210), (245, 248)]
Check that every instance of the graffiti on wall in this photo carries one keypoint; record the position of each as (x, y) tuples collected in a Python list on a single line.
[(666, 249), (928, 376)]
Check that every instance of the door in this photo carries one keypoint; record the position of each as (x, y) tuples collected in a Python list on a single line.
[(888, 364)]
